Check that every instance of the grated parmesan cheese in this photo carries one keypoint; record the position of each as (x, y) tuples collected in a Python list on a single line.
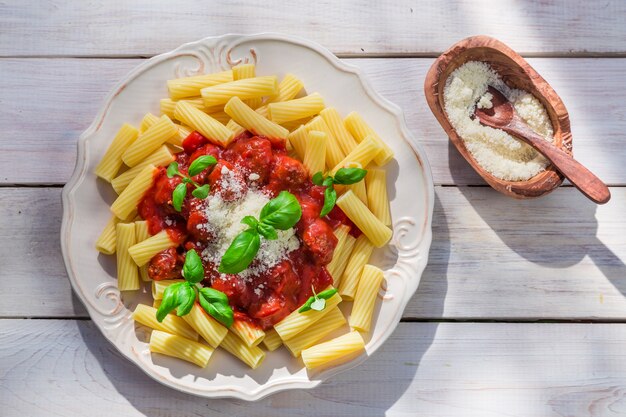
[(224, 223), (496, 151)]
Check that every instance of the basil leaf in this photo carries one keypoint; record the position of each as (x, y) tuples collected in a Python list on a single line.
[(318, 305), (213, 296), (186, 296), (200, 164), (317, 178), (240, 253), (169, 302), (328, 181), (327, 294), (348, 176), (250, 221), (216, 307), (172, 169), (306, 306), (281, 212), (330, 198), (178, 196), (267, 231), (193, 271), (201, 192), (187, 180)]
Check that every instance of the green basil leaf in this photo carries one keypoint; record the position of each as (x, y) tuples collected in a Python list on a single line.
[(213, 296), (328, 181), (217, 308), (318, 178), (187, 180), (267, 231), (201, 192), (327, 294), (318, 305), (193, 270), (186, 296), (240, 253), (169, 302), (307, 305), (178, 196), (282, 212), (200, 164), (348, 176), (330, 198), (172, 169), (250, 221)]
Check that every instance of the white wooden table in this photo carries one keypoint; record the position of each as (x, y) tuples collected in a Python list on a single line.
[(522, 308)]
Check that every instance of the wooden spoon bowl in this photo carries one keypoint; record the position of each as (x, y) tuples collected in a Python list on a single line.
[(516, 73)]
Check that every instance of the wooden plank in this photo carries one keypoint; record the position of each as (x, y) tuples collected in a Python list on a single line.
[(492, 257), (140, 28), (43, 131), (66, 368)]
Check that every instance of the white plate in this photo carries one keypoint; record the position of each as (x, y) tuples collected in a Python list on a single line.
[(86, 204)]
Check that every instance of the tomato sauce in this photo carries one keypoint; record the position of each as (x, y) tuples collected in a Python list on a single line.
[(263, 165)]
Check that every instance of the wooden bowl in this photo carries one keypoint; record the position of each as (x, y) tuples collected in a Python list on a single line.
[(516, 73)]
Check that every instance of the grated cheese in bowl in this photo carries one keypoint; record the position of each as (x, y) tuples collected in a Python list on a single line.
[(496, 151)]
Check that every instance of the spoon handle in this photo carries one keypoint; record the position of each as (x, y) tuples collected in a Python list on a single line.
[(583, 179)]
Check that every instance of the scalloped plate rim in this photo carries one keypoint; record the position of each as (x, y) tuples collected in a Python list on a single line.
[(80, 170)]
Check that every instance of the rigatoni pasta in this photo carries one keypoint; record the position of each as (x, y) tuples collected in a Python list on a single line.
[(142, 233), (250, 355), (248, 333), (206, 326), (126, 202), (315, 152), (334, 122), (377, 197), (295, 109), (358, 258), (339, 347), (360, 130), (297, 322), (374, 229), (161, 157), (172, 324), (363, 308), (149, 141), (272, 340), (191, 86), (334, 155), (143, 251), (252, 121), (203, 123), (107, 241), (332, 321), (180, 347), (247, 88), (127, 273), (112, 159)]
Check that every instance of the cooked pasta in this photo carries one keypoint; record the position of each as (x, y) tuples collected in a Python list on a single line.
[(332, 321), (248, 333), (168, 106), (363, 307), (288, 89), (334, 155), (377, 197), (250, 355), (295, 109), (183, 132), (149, 141), (148, 120), (345, 243), (127, 273), (158, 287), (112, 160), (364, 219), (172, 324), (180, 347), (107, 241), (334, 122), (272, 340), (191, 86), (142, 252), (244, 89), (161, 157), (296, 322), (363, 154), (244, 71), (361, 130), (360, 256), (252, 121), (315, 152), (203, 123), (298, 139), (142, 233), (359, 190), (126, 202), (339, 347), (206, 326), (237, 130)]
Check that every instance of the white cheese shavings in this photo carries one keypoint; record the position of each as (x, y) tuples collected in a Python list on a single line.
[(254, 176), (224, 224), (496, 151)]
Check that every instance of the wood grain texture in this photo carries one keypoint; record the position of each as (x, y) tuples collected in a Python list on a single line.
[(558, 257), (66, 368), (141, 28), (47, 103)]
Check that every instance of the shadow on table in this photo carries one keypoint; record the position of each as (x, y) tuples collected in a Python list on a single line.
[(555, 231), (367, 390)]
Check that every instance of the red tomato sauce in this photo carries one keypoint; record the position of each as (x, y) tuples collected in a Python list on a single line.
[(267, 298)]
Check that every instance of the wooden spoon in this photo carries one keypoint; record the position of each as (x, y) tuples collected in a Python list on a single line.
[(503, 116)]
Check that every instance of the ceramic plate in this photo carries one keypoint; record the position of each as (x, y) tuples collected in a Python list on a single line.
[(86, 202)]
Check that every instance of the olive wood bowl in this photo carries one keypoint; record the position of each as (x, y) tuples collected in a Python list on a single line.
[(516, 73)]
